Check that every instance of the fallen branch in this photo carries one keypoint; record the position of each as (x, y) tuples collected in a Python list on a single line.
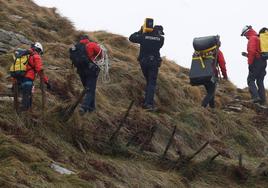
[(71, 109)]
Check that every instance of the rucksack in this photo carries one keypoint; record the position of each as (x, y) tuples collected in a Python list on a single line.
[(203, 60), (19, 66), (78, 56), (264, 43)]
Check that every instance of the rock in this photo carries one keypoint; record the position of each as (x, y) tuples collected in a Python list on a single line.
[(15, 17), (60, 169), (9, 40)]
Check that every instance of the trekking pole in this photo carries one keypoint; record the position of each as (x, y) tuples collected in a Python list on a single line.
[(114, 135), (16, 94), (43, 95)]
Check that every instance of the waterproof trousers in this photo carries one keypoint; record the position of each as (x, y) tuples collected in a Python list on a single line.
[(26, 86), (150, 67), (209, 99), (255, 80), (89, 80)]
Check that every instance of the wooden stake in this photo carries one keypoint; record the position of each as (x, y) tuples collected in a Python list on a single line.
[(198, 151), (240, 160), (43, 95), (16, 95), (214, 157), (169, 142), (115, 134)]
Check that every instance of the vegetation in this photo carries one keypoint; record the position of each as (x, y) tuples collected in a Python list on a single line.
[(29, 144)]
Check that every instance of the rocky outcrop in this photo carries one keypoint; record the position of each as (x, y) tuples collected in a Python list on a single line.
[(9, 40)]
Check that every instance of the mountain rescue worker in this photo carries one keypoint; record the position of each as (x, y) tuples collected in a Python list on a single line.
[(256, 66), (210, 87), (150, 60), (89, 74), (34, 66)]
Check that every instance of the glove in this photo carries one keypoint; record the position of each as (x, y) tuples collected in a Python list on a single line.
[(48, 85), (244, 54)]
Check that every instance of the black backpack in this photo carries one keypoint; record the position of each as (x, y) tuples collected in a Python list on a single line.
[(78, 56)]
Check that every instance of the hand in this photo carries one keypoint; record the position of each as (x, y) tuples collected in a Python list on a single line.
[(225, 77), (244, 54)]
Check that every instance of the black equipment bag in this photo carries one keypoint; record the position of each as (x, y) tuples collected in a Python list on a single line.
[(78, 56), (202, 70), (204, 43)]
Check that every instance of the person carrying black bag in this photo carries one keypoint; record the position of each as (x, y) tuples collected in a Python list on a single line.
[(150, 60)]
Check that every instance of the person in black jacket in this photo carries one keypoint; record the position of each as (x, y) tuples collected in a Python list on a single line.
[(150, 60)]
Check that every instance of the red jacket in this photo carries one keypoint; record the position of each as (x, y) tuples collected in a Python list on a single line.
[(221, 62), (34, 66), (253, 47), (93, 49)]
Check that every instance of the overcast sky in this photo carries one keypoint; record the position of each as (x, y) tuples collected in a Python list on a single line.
[(182, 21)]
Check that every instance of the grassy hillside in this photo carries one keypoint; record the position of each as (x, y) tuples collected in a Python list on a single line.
[(29, 145)]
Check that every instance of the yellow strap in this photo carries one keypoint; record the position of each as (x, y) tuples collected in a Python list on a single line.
[(207, 50), (201, 61)]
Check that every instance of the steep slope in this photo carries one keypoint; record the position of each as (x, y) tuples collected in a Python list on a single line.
[(29, 144)]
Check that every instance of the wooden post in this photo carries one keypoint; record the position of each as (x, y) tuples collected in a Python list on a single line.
[(16, 95), (169, 142), (240, 158), (198, 151), (214, 157), (115, 133), (43, 95)]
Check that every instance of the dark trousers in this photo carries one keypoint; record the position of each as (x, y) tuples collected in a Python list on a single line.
[(255, 80), (89, 80), (150, 67), (26, 86), (209, 99)]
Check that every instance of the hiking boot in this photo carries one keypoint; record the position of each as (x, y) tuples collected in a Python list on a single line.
[(82, 111), (256, 100), (149, 108)]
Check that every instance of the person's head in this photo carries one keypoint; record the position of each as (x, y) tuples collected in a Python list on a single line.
[(37, 46), (83, 36), (247, 30), (263, 30), (159, 29)]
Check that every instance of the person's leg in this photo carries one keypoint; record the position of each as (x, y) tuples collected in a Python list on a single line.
[(145, 71), (252, 85), (210, 88), (151, 85), (26, 87), (90, 86), (212, 100), (260, 84)]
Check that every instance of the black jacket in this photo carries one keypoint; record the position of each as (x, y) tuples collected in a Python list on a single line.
[(150, 43)]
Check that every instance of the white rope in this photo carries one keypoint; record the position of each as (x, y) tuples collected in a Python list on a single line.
[(104, 64)]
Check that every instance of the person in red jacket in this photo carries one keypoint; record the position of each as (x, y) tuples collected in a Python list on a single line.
[(89, 74), (209, 99), (34, 66), (256, 66)]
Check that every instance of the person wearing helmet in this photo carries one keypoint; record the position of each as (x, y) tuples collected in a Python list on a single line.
[(34, 66), (150, 60), (256, 66)]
